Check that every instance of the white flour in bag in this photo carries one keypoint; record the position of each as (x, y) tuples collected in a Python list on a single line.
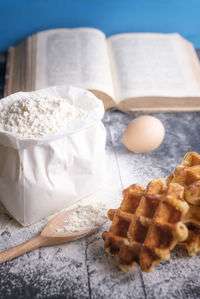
[(47, 163), (38, 116)]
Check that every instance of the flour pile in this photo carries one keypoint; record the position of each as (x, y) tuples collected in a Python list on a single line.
[(84, 218), (38, 116)]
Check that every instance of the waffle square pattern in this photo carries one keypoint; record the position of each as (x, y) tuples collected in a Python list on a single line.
[(147, 225)]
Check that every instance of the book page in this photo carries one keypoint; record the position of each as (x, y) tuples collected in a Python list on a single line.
[(75, 57), (146, 65)]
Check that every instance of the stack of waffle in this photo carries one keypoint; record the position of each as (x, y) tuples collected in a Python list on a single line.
[(152, 221)]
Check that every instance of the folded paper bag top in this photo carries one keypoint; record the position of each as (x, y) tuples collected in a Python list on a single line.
[(41, 175)]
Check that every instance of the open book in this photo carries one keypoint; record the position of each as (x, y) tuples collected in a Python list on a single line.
[(129, 72)]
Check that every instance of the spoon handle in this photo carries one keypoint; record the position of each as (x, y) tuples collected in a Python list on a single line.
[(18, 250)]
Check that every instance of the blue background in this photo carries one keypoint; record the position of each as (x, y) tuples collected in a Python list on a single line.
[(20, 18)]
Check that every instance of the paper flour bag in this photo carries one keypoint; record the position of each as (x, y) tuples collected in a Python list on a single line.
[(41, 175)]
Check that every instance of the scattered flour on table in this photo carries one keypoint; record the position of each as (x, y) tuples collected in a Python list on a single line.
[(38, 116), (54, 270), (83, 218)]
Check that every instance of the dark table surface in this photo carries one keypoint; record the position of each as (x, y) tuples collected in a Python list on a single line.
[(82, 269)]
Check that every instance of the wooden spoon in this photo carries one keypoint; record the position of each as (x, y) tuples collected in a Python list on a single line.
[(49, 236)]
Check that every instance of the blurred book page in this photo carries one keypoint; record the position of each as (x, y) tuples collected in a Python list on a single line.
[(75, 57), (153, 65)]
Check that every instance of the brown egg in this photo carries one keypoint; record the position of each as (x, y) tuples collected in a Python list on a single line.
[(144, 134)]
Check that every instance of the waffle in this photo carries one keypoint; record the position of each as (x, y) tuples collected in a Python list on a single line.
[(147, 225), (187, 174), (192, 221), (192, 243)]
